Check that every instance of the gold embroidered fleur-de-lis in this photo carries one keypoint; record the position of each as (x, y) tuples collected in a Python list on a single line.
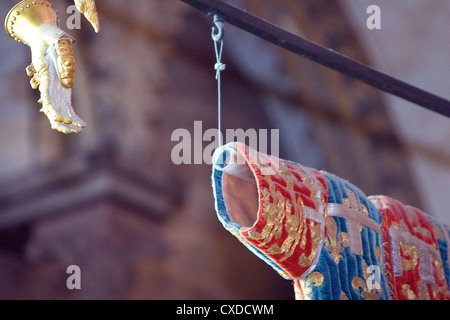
[(367, 294), (315, 279), (335, 243)]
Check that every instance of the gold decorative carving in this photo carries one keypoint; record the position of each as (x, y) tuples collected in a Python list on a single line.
[(88, 8), (52, 68)]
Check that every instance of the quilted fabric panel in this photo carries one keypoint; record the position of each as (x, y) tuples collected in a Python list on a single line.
[(351, 260), (289, 231), (416, 261), (335, 243)]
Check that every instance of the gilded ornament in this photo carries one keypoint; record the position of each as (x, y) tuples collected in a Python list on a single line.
[(315, 279), (287, 176), (65, 62), (52, 67), (411, 259), (88, 8), (274, 216), (344, 296), (305, 261), (367, 294), (335, 243), (406, 290)]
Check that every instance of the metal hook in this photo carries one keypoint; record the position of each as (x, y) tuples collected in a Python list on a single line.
[(217, 30)]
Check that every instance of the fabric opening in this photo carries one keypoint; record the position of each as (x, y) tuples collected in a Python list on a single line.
[(240, 194)]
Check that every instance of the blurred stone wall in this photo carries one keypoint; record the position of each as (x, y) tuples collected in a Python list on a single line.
[(413, 45), (111, 200)]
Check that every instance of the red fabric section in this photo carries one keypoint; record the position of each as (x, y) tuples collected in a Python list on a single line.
[(282, 232), (409, 284)]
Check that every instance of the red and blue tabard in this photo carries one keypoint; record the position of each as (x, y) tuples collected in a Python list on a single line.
[(335, 243)]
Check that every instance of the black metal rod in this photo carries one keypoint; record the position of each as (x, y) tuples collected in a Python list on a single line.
[(322, 55)]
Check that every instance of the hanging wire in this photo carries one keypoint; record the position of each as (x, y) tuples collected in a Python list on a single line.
[(323, 55), (217, 36)]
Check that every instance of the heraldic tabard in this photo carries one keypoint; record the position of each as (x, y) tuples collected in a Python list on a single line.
[(325, 234)]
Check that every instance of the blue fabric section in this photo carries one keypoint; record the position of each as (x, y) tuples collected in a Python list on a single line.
[(331, 287), (338, 276), (223, 216), (443, 248)]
